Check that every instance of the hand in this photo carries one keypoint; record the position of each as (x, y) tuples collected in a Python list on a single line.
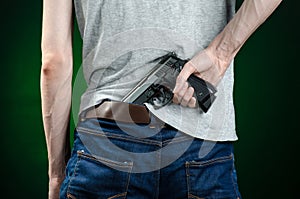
[(54, 187), (204, 65)]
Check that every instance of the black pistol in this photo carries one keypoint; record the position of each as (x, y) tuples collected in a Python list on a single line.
[(156, 87)]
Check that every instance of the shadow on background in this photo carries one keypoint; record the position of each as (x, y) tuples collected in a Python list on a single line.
[(266, 97)]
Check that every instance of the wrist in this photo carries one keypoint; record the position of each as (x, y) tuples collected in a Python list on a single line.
[(56, 171), (222, 49), (55, 180)]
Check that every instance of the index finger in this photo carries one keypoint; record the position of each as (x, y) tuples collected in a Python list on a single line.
[(185, 73)]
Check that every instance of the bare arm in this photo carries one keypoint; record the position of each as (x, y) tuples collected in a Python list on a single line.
[(56, 76), (211, 63)]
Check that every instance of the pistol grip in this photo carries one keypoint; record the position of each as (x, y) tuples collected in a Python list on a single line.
[(204, 92)]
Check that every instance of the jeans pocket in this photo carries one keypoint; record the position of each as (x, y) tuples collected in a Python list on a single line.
[(97, 177), (211, 179)]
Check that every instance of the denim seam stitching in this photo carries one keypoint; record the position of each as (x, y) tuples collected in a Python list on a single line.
[(72, 177), (158, 174), (127, 185), (193, 196), (176, 140), (189, 194), (187, 178), (210, 162), (233, 184), (118, 195), (96, 133), (104, 160), (70, 196), (128, 181)]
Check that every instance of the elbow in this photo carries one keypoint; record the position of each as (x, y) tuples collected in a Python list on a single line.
[(54, 64)]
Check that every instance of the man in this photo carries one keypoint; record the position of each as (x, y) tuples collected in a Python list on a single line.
[(181, 163)]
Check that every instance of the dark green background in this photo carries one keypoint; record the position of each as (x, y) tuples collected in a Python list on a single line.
[(266, 97)]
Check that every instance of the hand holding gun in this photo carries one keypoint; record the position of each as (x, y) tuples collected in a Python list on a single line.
[(157, 86)]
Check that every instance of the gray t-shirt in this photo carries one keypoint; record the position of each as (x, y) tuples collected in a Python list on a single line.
[(121, 37)]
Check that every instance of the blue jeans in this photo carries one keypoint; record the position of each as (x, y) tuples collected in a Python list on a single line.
[(119, 160)]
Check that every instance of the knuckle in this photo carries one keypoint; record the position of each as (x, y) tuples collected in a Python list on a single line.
[(184, 103), (179, 79), (190, 92), (175, 99), (182, 92), (189, 65), (186, 98)]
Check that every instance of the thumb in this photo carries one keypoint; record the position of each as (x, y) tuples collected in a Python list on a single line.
[(186, 71)]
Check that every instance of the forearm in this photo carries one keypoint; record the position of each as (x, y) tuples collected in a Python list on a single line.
[(249, 17), (212, 63), (56, 80), (56, 102)]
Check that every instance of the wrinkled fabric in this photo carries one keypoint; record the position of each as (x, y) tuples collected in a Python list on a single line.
[(120, 38), (132, 33)]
